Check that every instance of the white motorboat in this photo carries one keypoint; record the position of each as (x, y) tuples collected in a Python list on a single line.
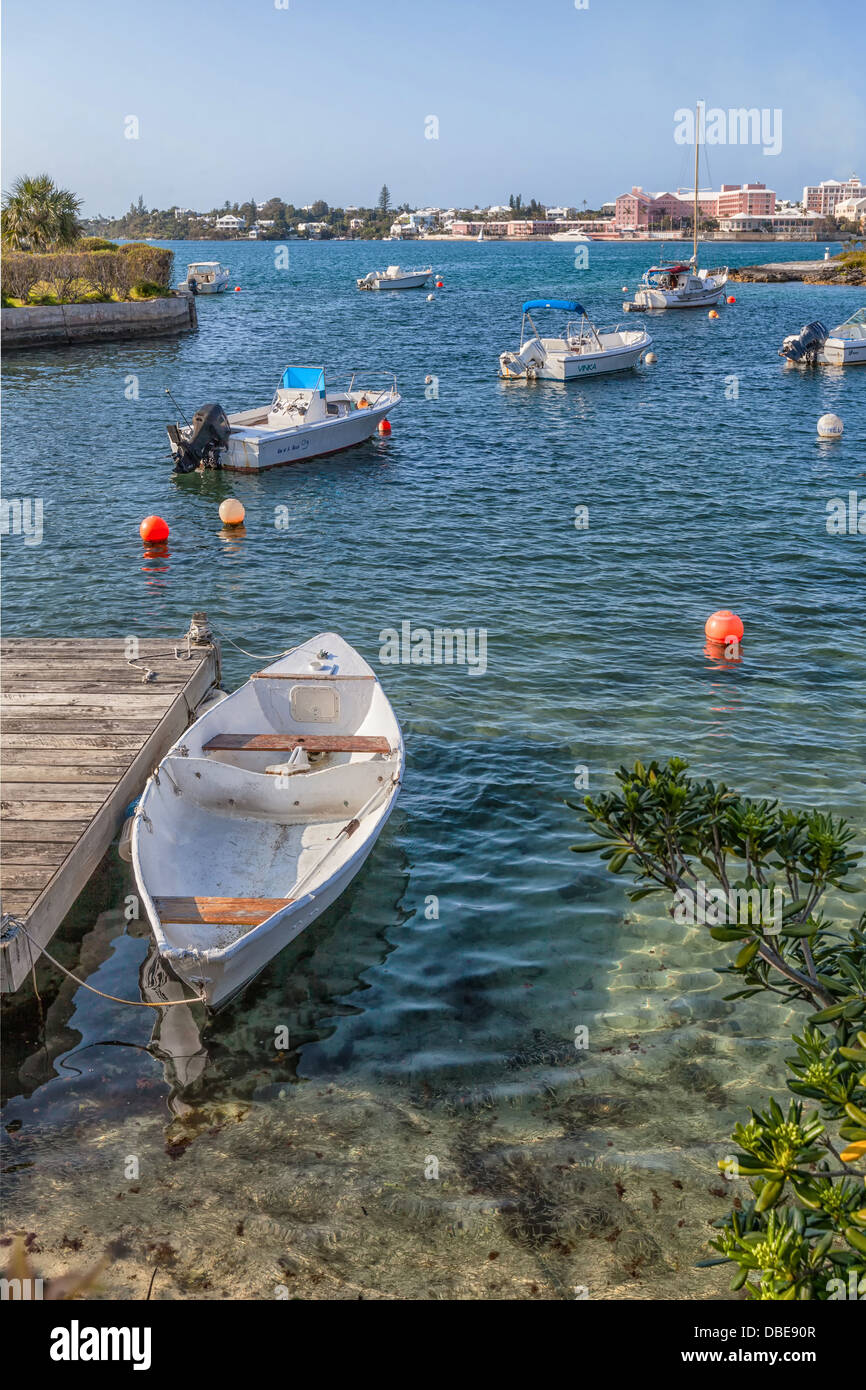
[(263, 812), (842, 346), (305, 419), (206, 277), (681, 284), (572, 235), (582, 351), (395, 278)]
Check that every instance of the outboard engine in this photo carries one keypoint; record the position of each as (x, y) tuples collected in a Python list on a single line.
[(524, 363), (803, 346), (200, 444)]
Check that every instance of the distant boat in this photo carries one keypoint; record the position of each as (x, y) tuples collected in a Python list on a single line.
[(679, 284), (206, 277), (395, 278), (583, 350), (263, 812), (305, 419), (480, 236), (573, 235)]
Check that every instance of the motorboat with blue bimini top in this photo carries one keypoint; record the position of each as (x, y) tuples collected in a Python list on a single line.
[(306, 418), (582, 351)]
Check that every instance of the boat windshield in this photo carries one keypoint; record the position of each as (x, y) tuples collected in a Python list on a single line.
[(855, 327)]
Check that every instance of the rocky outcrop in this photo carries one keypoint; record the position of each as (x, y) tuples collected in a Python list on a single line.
[(809, 272)]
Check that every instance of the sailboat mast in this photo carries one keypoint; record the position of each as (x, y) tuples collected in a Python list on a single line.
[(697, 154)]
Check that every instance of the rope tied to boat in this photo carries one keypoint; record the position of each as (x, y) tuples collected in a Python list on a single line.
[(12, 924)]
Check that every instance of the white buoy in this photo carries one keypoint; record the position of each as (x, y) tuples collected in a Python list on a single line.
[(830, 427), (430, 298), (650, 357), (625, 289), (428, 380)]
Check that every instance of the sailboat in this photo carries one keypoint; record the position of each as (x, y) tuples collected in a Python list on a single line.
[(681, 284), (480, 236)]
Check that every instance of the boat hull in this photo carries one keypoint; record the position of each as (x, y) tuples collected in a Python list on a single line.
[(219, 829), (838, 352), (405, 282), (570, 367), (254, 451)]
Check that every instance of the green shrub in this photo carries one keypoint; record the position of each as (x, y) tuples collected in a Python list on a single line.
[(801, 1234), (146, 289), (95, 243), (70, 277)]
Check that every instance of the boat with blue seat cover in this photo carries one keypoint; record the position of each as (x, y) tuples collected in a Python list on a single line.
[(306, 418), (582, 351)]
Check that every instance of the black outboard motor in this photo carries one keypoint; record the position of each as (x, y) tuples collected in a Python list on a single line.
[(803, 346), (201, 445)]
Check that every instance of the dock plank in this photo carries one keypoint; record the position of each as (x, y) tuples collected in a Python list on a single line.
[(81, 730)]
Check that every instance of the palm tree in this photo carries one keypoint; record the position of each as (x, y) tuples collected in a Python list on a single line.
[(39, 216)]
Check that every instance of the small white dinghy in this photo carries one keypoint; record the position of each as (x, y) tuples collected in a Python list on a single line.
[(263, 812)]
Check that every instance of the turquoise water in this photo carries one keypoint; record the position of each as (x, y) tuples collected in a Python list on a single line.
[(414, 1036)]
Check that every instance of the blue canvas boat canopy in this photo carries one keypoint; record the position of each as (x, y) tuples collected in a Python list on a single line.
[(571, 306), (304, 379)]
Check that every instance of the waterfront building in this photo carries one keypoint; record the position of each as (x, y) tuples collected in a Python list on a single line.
[(823, 197)]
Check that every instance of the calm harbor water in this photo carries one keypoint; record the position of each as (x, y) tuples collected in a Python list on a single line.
[(425, 1128)]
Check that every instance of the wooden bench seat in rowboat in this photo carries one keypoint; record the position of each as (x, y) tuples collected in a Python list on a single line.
[(285, 743), (219, 912)]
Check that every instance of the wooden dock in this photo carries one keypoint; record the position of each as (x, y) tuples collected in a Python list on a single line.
[(81, 728)]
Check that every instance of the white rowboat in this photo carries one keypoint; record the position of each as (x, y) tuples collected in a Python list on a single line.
[(260, 816)]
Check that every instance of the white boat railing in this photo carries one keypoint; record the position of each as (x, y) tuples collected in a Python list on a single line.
[(379, 385)]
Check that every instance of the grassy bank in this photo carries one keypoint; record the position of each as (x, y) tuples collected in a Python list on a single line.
[(96, 272)]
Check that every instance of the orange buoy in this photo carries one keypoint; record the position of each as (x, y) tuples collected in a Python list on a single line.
[(440, 284), (713, 314), (724, 626), (237, 289), (153, 528), (384, 427), (732, 299), (232, 511)]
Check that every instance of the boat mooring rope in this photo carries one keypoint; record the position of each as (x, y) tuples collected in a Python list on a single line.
[(133, 1003)]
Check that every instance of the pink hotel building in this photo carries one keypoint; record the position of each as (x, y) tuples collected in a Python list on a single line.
[(639, 210)]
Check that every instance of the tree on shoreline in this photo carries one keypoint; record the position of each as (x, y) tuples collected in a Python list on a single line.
[(39, 216)]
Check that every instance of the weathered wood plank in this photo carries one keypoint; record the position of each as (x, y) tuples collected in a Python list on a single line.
[(145, 699), (66, 746), (241, 912), (44, 831), (35, 773), (24, 876), (284, 743), (77, 725), (16, 853), (307, 676), (22, 810), (57, 791)]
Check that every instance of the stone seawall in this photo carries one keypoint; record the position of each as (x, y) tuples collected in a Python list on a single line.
[(64, 324)]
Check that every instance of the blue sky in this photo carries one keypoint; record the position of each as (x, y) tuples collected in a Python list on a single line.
[(328, 98)]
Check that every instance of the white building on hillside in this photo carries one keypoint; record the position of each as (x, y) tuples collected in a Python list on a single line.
[(229, 223)]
